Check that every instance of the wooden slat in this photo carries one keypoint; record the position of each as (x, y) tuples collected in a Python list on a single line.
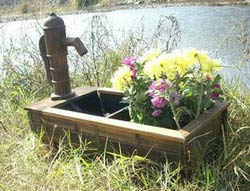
[(116, 125), (46, 103), (36, 116), (145, 143), (193, 128), (100, 143), (110, 91), (118, 114), (209, 131)]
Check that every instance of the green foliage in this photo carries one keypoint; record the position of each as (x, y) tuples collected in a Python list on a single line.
[(25, 8), (61, 2), (21, 83), (79, 4)]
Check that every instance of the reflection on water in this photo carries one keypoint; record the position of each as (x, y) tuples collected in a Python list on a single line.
[(214, 29)]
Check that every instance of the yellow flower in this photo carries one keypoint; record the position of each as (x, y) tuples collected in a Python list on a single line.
[(163, 65), (153, 68), (122, 78), (179, 62), (167, 61), (182, 61), (150, 55), (208, 65)]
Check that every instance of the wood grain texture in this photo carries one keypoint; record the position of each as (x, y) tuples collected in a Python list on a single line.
[(95, 141), (203, 123), (110, 91), (142, 138), (46, 103), (115, 125), (140, 141)]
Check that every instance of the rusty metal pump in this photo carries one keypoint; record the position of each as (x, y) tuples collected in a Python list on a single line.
[(53, 47)]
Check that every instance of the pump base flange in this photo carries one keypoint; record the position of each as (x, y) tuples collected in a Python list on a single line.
[(55, 97)]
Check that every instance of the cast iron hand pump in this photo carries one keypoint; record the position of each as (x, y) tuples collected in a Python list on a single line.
[(53, 47)]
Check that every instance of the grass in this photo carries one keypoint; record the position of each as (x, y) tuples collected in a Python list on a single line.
[(26, 164)]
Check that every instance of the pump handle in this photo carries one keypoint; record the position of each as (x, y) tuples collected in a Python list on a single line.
[(42, 48)]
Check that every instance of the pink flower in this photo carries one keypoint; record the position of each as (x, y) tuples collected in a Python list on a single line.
[(215, 95), (156, 113), (159, 102), (129, 61), (218, 86), (169, 84), (158, 85)]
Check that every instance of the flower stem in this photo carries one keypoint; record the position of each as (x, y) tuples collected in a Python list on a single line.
[(175, 115), (199, 101), (201, 91)]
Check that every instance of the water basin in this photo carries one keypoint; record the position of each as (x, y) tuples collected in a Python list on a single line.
[(100, 115)]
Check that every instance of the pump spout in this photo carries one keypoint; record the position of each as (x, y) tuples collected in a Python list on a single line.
[(77, 43)]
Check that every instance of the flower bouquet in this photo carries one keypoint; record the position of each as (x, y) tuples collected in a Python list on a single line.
[(169, 89)]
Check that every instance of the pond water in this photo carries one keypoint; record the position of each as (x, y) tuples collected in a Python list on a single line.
[(215, 29)]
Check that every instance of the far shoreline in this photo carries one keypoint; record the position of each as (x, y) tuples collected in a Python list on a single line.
[(114, 7)]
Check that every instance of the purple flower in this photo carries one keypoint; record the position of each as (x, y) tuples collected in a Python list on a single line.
[(129, 61), (156, 113), (218, 86), (176, 98), (169, 84), (215, 95), (159, 102), (158, 85)]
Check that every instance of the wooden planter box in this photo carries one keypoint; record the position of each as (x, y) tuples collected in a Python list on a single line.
[(98, 114)]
